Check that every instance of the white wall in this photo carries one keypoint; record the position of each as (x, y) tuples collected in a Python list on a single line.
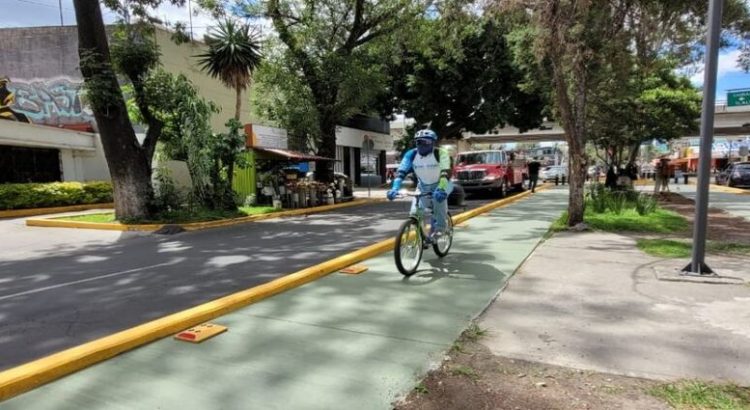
[(352, 137), (93, 163)]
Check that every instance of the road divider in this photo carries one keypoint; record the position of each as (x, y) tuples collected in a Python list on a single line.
[(193, 226), (21, 213)]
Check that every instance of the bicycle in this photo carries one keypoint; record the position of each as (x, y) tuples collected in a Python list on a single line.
[(412, 239)]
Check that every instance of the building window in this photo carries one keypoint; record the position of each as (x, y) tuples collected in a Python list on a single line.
[(22, 164)]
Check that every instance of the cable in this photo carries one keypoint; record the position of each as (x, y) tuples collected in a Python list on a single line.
[(43, 4)]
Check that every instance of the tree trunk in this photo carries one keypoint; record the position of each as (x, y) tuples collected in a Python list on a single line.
[(324, 169), (230, 165), (635, 149), (577, 175), (127, 162), (238, 103)]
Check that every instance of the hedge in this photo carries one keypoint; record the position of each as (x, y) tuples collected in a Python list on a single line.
[(22, 196)]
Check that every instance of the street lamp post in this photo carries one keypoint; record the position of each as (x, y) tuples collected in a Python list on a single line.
[(698, 264)]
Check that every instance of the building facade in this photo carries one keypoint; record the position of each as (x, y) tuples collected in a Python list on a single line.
[(45, 121), (48, 122)]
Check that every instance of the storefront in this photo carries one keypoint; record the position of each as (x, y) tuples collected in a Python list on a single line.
[(361, 154), (280, 176)]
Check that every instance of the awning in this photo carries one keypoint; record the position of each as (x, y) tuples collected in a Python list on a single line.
[(285, 154)]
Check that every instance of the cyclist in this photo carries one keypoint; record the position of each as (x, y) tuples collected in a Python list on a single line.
[(431, 166)]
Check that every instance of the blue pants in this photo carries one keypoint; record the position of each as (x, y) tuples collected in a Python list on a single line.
[(439, 209)]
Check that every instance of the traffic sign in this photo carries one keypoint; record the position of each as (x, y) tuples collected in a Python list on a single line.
[(738, 98)]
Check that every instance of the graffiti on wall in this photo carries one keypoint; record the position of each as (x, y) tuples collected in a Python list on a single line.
[(50, 101), (7, 100)]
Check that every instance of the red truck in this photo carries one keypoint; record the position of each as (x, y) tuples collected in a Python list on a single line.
[(491, 171)]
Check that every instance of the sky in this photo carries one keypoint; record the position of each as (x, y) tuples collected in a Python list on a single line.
[(26, 13)]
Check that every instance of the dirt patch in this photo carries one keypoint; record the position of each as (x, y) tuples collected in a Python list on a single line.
[(722, 226), (473, 378)]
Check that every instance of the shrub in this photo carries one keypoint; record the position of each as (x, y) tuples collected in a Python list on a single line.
[(601, 200), (598, 198), (22, 196), (645, 204)]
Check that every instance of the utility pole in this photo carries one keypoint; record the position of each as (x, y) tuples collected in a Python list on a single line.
[(190, 17), (698, 264), (59, 3)]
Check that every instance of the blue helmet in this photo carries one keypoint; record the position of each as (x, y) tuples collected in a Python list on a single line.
[(428, 134)]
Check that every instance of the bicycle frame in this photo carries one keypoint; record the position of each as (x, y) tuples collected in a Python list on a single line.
[(419, 216)]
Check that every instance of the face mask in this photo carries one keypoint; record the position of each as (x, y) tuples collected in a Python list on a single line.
[(424, 147)]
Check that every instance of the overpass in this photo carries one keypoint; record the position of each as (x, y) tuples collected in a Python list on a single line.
[(728, 121)]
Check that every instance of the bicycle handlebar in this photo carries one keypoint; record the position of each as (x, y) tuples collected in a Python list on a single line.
[(416, 195)]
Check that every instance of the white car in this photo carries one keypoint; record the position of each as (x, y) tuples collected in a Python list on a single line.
[(550, 172)]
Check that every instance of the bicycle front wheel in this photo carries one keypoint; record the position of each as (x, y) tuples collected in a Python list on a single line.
[(443, 243), (408, 250)]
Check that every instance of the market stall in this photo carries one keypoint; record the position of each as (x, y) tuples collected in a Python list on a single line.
[(283, 180)]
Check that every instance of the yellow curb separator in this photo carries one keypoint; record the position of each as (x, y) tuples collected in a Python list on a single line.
[(28, 376), (725, 189), (20, 213), (193, 226)]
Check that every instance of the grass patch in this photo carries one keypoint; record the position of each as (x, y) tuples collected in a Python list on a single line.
[(464, 371), (257, 210), (474, 332), (694, 394), (659, 221), (102, 218), (458, 347), (670, 248), (175, 217), (421, 389)]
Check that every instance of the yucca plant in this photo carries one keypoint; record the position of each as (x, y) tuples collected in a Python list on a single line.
[(232, 56), (617, 202), (598, 198), (645, 204)]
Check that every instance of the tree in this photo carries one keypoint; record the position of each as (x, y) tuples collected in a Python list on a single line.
[(186, 134), (331, 46), (462, 78), (232, 56), (133, 53), (577, 44), (661, 106)]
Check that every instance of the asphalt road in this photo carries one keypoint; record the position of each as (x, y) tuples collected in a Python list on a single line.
[(53, 300)]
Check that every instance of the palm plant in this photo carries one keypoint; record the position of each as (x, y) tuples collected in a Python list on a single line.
[(232, 56)]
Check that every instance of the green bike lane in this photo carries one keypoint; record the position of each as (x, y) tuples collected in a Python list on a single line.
[(341, 342)]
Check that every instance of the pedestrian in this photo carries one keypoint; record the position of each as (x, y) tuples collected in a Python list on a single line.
[(611, 179), (534, 166), (662, 176)]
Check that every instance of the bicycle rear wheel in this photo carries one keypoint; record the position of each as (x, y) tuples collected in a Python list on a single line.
[(443, 243), (408, 250)]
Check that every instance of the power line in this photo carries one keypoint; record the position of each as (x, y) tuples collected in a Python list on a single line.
[(44, 4)]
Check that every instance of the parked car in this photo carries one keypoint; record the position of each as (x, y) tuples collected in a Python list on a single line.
[(550, 172), (489, 171), (735, 175)]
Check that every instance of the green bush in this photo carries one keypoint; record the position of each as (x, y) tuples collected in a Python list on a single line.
[(602, 200), (22, 196), (645, 204)]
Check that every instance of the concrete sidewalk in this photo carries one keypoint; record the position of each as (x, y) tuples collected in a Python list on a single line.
[(593, 301), (341, 342)]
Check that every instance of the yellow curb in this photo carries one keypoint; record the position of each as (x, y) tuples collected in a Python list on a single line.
[(725, 189), (729, 190), (28, 376), (20, 213), (193, 226)]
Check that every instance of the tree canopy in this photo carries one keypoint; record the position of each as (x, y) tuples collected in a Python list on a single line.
[(460, 76)]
